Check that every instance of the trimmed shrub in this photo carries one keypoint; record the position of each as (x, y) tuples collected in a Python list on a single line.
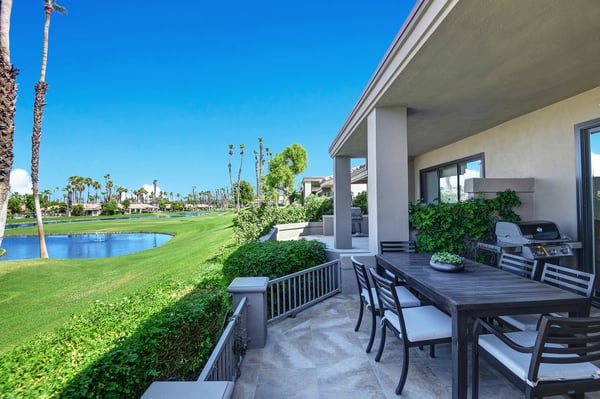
[(117, 349), (274, 258), (317, 206), (252, 222)]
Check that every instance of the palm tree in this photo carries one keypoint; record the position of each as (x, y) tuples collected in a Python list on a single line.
[(238, 203), (109, 185), (261, 166), (38, 113), (69, 190), (256, 171), (8, 98), (229, 166), (154, 184), (120, 191), (97, 186)]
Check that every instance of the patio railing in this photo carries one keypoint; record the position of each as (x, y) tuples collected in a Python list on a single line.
[(225, 361), (284, 296), (292, 293)]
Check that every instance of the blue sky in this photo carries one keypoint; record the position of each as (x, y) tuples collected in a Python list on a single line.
[(146, 90)]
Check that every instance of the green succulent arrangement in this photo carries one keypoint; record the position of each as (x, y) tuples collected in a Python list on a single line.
[(446, 257)]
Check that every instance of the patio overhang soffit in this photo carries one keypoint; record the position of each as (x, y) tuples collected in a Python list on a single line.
[(463, 66)]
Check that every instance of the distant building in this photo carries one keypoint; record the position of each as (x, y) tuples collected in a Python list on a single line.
[(323, 185)]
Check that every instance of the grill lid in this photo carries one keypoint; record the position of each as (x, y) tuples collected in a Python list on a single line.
[(539, 230)]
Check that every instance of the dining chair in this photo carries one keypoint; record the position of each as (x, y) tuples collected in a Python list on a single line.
[(368, 298), (518, 265), (572, 280), (554, 360), (414, 326), (397, 246)]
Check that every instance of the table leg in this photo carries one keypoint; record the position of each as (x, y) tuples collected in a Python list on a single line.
[(460, 370)]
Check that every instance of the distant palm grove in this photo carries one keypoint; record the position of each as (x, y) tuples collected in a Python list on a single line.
[(86, 196)]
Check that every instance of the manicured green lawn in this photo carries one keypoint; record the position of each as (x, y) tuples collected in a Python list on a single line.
[(39, 295)]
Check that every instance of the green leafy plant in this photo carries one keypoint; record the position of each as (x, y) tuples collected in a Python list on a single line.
[(317, 206), (457, 227), (446, 257), (361, 201)]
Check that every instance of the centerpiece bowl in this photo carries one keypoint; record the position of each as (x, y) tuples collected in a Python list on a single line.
[(446, 262)]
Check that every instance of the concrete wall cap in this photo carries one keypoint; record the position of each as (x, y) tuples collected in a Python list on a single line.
[(248, 284)]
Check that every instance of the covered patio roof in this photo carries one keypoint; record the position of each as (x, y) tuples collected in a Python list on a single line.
[(463, 66)]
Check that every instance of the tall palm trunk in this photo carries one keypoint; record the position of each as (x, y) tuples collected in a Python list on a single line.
[(229, 167), (261, 166), (36, 137), (238, 202), (257, 176), (8, 98)]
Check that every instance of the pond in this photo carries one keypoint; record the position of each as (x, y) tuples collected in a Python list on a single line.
[(75, 246)]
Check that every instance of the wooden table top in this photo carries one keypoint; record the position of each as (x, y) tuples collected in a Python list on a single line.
[(480, 288)]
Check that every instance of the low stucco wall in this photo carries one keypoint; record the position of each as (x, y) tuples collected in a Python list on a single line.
[(293, 231)]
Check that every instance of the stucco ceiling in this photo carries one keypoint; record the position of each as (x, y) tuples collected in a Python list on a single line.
[(488, 62)]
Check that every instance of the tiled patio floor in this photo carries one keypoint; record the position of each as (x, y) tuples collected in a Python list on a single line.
[(317, 354)]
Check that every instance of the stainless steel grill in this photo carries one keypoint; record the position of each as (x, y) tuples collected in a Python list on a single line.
[(538, 239)]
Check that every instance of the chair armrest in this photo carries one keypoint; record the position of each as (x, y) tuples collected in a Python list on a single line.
[(481, 326)]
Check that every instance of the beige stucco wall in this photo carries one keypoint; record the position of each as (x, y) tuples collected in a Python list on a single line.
[(541, 145)]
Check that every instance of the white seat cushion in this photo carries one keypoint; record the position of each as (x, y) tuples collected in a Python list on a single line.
[(519, 362), (407, 299), (365, 295), (524, 322), (423, 323)]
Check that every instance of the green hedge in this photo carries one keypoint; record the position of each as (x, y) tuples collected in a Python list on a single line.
[(274, 258), (252, 222), (117, 349)]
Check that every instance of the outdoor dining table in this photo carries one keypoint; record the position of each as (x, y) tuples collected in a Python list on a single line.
[(477, 291)]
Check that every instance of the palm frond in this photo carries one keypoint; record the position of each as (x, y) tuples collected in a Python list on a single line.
[(56, 7)]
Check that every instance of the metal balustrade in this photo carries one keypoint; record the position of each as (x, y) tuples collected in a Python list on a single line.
[(292, 293), (225, 361), (284, 296)]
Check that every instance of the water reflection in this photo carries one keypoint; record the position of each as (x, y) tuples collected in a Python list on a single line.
[(76, 246)]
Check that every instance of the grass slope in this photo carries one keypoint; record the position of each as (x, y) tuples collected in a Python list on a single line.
[(38, 295)]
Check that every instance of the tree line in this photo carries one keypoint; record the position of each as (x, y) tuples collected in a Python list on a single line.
[(278, 185)]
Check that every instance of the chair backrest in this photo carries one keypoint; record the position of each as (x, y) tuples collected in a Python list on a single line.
[(397, 246), (362, 278), (576, 281), (564, 340), (388, 297), (518, 265)]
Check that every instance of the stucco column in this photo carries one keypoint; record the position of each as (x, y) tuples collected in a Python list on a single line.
[(342, 203), (388, 176), (307, 189)]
